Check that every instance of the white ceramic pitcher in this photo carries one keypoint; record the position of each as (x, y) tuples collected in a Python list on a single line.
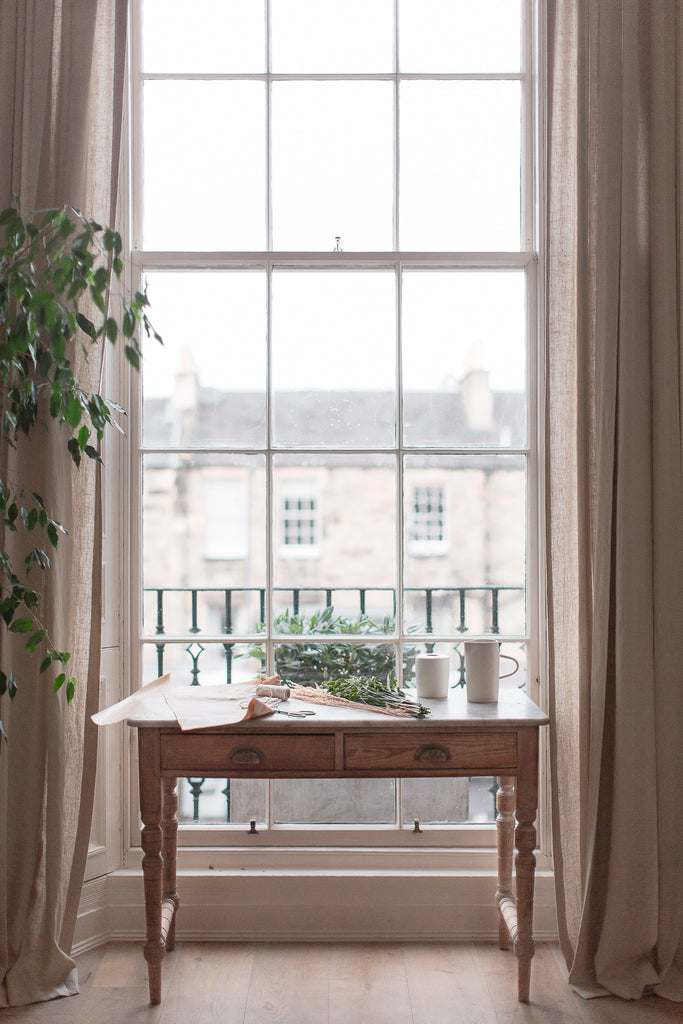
[(482, 670)]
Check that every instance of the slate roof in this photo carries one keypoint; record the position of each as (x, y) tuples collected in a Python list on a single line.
[(310, 417)]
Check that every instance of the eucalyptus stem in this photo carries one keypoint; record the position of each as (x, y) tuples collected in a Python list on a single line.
[(374, 693)]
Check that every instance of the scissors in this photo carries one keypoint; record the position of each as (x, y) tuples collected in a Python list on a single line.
[(302, 713)]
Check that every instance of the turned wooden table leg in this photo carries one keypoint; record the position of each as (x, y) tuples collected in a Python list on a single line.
[(505, 826), (152, 861), (169, 827), (525, 860)]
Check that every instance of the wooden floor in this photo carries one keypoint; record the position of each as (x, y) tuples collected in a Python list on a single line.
[(346, 983)]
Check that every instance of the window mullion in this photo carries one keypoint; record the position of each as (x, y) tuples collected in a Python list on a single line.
[(136, 136), (400, 539), (269, 134), (528, 211), (397, 155), (270, 510)]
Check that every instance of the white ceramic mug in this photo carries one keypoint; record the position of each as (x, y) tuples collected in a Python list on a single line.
[(482, 670)]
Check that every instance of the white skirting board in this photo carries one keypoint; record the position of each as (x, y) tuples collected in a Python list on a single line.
[(297, 906)]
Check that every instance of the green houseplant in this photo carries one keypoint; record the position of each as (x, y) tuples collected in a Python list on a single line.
[(305, 664), (57, 270)]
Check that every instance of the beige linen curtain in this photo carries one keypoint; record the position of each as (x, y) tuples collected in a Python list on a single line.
[(61, 81), (614, 489)]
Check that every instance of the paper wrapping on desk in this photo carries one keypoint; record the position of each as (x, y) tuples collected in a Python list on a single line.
[(194, 707), (216, 705)]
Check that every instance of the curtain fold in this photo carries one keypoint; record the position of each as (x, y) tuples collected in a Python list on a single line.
[(61, 94), (615, 489)]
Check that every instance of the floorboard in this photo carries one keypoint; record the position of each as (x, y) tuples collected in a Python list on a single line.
[(332, 983)]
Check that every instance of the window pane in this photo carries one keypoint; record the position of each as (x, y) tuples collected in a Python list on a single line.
[(353, 567), (204, 36), (464, 358), (222, 801), (334, 344), (459, 36), (332, 161), (196, 663), (474, 580), (335, 801), (435, 801), (204, 165), (331, 36), (460, 166), (207, 384), (203, 593)]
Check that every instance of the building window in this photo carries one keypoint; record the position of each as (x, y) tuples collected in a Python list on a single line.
[(334, 213), (428, 521), (300, 523)]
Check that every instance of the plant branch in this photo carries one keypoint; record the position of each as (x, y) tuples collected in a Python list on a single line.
[(57, 270)]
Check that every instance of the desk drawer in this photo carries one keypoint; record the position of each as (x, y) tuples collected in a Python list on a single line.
[(491, 753), (187, 754)]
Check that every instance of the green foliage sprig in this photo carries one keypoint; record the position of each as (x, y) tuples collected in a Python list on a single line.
[(305, 664), (57, 269), (375, 693)]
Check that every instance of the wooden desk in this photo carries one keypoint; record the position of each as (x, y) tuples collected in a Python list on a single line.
[(459, 739)]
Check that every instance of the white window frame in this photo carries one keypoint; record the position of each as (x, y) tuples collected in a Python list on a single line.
[(466, 837)]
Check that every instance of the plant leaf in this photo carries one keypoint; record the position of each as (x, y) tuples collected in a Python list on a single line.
[(23, 625), (35, 639), (74, 412), (93, 453), (132, 356), (86, 325), (74, 450)]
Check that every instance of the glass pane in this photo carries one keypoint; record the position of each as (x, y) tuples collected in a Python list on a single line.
[(204, 166), (460, 166), (435, 801), (207, 384), (222, 801), (464, 358), (482, 799), (335, 801), (352, 565), (334, 359), (471, 577), (331, 36), (332, 145), (459, 36), (196, 663), (308, 663), (203, 530), (204, 36)]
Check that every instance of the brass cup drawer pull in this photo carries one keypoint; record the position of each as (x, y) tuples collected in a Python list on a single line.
[(247, 755), (431, 752)]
